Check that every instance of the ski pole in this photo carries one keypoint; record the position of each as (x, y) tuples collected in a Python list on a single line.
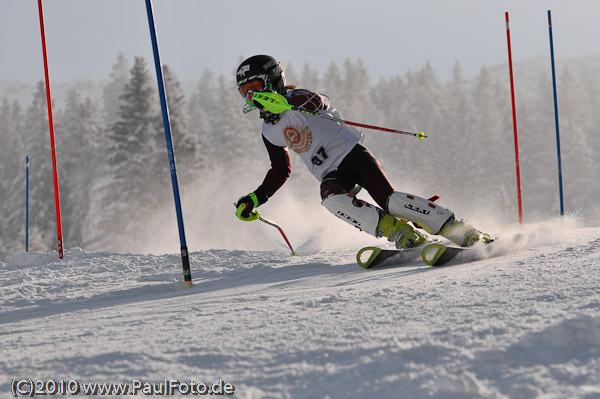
[(420, 135), (270, 223), (255, 215), (276, 103)]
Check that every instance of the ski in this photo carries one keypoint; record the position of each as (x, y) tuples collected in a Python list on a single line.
[(441, 254), (433, 254), (377, 256)]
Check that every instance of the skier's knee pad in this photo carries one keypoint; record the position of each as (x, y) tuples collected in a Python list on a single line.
[(358, 213), (418, 210)]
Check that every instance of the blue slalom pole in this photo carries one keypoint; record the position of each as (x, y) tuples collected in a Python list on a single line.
[(187, 275), (560, 184), (27, 204)]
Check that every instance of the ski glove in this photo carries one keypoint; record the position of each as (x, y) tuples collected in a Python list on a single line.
[(246, 204)]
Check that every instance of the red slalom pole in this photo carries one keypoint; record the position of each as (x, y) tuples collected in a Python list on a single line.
[(52, 144), (514, 114)]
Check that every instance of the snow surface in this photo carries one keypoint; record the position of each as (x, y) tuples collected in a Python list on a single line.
[(523, 325)]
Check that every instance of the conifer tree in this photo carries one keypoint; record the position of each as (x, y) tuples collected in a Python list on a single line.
[(113, 91), (310, 78), (489, 139), (455, 111), (10, 129), (183, 142), (201, 110), (42, 216), (578, 154), (425, 100), (357, 102), (131, 145), (389, 98), (12, 183), (537, 147), (132, 137), (79, 134), (232, 136), (332, 81)]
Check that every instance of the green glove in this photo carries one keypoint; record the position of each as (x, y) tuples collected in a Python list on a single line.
[(271, 102), (244, 208)]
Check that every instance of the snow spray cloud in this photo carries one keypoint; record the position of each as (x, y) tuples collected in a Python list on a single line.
[(210, 222)]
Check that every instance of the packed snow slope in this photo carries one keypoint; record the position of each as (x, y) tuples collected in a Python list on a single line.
[(524, 324)]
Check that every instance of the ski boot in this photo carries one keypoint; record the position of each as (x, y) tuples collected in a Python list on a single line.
[(399, 232), (463, 234)]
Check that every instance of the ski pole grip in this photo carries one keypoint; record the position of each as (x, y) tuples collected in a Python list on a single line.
[(240, 209)]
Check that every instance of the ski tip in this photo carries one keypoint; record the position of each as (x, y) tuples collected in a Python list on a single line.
[(371, 257), (432, 253)]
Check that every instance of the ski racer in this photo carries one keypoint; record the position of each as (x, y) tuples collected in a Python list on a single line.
[(335, 155)]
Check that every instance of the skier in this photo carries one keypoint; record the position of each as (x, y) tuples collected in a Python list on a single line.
[(334, 154)]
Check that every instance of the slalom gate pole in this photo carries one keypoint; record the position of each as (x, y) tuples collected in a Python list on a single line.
[(52, 144), (187, 275), (560, 183), (27, 204), (514, 115)]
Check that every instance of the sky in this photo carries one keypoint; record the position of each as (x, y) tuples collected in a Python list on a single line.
[(391, 37)]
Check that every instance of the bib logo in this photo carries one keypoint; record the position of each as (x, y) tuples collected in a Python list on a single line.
[(298, 139)]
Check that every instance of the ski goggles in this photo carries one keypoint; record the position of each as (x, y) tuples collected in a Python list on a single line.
[(253, 85)]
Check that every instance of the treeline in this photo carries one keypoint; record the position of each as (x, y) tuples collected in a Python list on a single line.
[(113, 165)]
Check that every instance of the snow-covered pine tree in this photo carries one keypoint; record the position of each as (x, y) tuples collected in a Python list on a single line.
[(454, 131), (234, 136), (580, 158), (354, 99), (201, 110), (12, 183), (455, 103), (490, 141), (424, 108), (10, 129), (389, 97), (79, 134), (537, 148), (42, 211), (113, 91), (124, 195), (132, 138), (310, 78), (183, 142), (332, 82)]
